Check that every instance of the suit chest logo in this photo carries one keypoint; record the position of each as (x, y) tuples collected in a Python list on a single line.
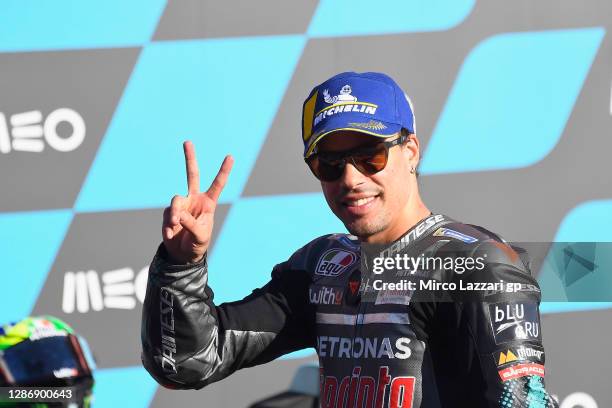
[(334, 262)]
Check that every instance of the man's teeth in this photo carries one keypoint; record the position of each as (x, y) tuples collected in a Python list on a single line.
[(360, 202)]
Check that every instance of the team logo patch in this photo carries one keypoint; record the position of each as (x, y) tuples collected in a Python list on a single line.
[(521, 370), (334, 262), (447, 232), (512, 355), (514, 321)]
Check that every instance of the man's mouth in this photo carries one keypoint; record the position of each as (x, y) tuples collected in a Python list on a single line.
[(358, 202)]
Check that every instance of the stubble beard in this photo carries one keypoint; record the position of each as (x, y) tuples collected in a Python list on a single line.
[(366, 228)]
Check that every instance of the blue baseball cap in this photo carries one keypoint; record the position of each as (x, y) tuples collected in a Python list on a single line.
[(369, 102)]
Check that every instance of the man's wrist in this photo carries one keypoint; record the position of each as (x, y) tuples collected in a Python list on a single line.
[(168, 258)]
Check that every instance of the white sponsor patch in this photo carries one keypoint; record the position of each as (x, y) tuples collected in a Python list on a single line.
[(514, 321), (395, 297)]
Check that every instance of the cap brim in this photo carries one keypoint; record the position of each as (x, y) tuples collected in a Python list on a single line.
[(337, 124)]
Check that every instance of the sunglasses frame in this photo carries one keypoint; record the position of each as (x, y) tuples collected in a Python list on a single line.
[(344, 157)]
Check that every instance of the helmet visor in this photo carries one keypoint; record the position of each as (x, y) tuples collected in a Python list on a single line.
[(51, 360)]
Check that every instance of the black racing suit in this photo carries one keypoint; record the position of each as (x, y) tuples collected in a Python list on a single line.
[(376, 347)]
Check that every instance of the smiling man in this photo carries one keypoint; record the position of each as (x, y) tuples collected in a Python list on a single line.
[(376, 206), (376, 348)]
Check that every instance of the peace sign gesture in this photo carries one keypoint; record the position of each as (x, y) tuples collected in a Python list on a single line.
[(188, 222)]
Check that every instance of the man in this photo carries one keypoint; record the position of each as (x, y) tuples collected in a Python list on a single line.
[(378, 346)]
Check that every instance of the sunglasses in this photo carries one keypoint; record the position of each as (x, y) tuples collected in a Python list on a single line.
[(329, 166)]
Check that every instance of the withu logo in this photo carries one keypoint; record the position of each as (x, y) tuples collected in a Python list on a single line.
[(28, 130), (116, 289)]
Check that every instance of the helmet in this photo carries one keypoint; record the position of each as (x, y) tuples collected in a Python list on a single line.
[(44, 351)]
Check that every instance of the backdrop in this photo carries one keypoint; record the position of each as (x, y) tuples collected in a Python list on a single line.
[(513, 107)]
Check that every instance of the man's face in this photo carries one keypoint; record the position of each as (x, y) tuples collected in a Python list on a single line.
[(368, 205)]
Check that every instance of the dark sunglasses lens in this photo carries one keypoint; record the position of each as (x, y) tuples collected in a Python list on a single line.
[(325, 170), (373, 162)]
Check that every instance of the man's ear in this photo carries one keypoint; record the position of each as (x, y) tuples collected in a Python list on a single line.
[(412, 146)]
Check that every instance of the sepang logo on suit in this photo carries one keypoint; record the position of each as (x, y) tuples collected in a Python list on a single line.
[(335, 261), (521, 370)]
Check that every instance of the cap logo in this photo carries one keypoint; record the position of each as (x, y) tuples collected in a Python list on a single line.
[(344, 96), (344, 102), (371, 125)]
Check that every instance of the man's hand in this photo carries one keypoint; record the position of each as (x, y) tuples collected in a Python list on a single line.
[(188, 222)]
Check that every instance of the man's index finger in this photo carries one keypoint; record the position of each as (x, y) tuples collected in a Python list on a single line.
[(191, 165)]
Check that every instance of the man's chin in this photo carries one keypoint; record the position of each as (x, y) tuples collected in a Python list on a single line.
[(363, 229)]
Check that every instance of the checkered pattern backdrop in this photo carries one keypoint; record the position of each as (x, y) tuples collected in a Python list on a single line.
[(513, 107)]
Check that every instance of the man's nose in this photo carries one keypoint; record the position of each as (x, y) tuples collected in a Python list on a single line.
[(351, 177)]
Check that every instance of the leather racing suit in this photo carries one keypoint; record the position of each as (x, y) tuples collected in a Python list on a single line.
[(376, 348)]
